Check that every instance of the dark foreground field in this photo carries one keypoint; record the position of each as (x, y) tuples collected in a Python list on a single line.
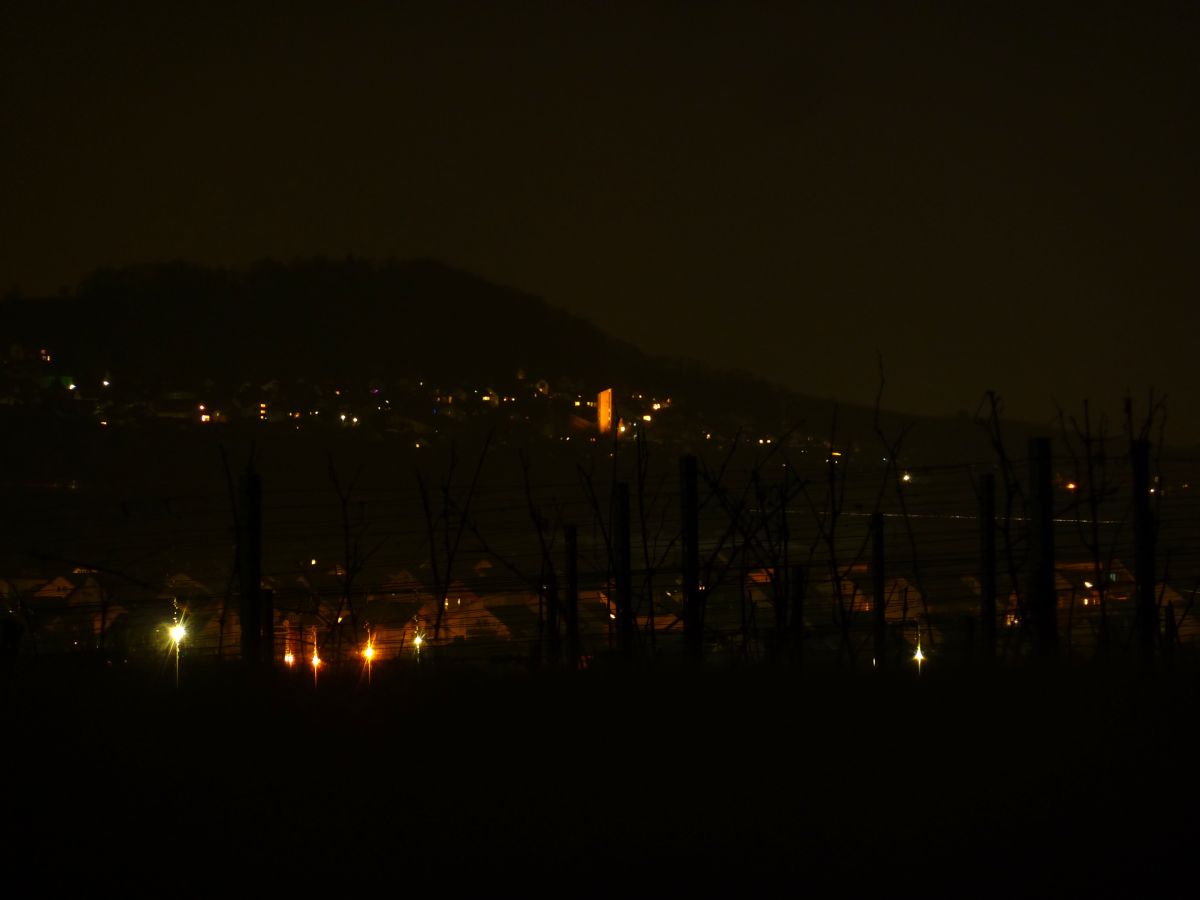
[(434, 783)]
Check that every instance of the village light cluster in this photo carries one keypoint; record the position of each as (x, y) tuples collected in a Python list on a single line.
[(441, 408)]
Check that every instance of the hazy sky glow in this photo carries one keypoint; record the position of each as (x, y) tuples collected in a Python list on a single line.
[(1002, 199)]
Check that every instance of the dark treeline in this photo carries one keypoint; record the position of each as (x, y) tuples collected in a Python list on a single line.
[(830, 556)]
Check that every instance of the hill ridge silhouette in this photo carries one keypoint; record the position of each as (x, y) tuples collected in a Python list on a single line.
[(358, 320)]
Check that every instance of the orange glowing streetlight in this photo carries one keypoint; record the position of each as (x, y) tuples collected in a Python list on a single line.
[(177, 633), (368, 653), (289, 658), (418, 640), (316, 657)]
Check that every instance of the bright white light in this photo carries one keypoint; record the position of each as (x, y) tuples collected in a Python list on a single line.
[(289, 659), (417, 641), (177, 633), (369, 653)]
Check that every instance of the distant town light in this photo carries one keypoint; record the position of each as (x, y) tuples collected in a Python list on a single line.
[(105, 383), (289, 659), (647, 417), (1071, 485), (71, 386), (906, 477), (1088, 584)]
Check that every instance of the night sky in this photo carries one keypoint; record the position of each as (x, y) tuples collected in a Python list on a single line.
[(999, 199)]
